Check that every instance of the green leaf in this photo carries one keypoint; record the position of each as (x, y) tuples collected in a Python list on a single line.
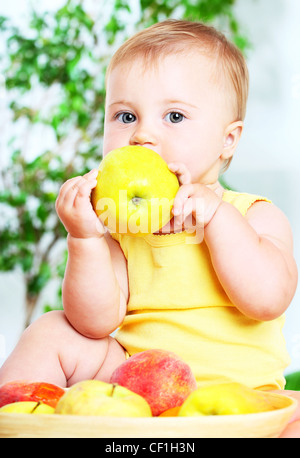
[(26, 260), (51, 308), (42, 213), (5, 196), (39, 281), (3, 21), (14, 200), (19, 199)]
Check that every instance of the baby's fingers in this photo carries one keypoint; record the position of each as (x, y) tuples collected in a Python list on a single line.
[(180, 207), (77, 186), (182, 172), (82, 189), (64, 192)]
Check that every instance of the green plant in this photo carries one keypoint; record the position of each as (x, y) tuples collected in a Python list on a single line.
[(54, 81)]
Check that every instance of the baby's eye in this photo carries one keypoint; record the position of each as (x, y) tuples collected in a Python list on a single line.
[(126, 117), (174, 117)]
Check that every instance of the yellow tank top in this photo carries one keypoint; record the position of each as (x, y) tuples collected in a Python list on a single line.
[(177, 303)]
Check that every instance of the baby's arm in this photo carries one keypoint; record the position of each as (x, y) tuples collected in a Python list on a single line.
[(95, 288), (252, 256)]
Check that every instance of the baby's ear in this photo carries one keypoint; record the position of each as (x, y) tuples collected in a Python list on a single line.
[(232, 136)]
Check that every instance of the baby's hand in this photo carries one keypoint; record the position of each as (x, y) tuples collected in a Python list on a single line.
[(195, 204), (74, 207)]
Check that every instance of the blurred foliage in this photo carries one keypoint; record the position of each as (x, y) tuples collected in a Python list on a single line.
[(53, 71)]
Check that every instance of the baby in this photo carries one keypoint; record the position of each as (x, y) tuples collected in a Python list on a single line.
[(179, 88)]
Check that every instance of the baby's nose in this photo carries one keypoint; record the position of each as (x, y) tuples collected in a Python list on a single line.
[(144, 136)]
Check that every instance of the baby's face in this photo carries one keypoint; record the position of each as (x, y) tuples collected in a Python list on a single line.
[(177, 108)]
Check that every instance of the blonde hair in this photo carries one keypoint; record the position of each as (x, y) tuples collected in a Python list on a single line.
[(175, 36)]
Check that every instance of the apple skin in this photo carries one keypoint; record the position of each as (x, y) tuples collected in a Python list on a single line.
[(160, 376), (226, 399), (135, 191), (94, 397), (36, 408), (19, 390)]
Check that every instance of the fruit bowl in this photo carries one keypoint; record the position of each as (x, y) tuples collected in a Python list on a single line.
[(255, 425)]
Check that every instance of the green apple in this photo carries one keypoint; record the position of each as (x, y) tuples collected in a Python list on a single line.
[(135, 191), (93, 397), (27, 407), (227, 399)]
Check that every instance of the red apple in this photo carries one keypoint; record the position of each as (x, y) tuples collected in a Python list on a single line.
[(159, 376), (20, 390)]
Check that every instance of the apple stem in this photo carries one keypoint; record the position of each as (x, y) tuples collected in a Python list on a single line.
[(36, 406), (113, 388), (136, 200)]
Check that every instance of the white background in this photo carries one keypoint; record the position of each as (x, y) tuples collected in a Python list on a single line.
[(267, 161)]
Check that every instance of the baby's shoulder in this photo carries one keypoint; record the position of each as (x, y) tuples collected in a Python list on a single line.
[(270, 221)]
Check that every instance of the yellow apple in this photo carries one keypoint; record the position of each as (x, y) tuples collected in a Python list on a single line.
[(27, 407), (93, 397), (226, 399), (135, 191)]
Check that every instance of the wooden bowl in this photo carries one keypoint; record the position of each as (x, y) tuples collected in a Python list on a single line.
[(255, 425)]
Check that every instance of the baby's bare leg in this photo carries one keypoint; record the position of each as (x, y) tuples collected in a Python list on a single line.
[(51, 350)]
